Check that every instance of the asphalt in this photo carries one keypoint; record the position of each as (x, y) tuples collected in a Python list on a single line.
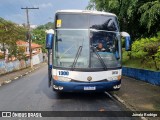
[(28, 90), (31, 93)]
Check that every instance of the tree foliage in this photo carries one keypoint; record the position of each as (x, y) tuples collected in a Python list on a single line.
[(138, 17), (150, 13), (39, 34), (9, 34), (147, 49), (21, 53), (46, 26)]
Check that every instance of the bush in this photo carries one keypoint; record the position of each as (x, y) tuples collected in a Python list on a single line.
[(148, 50)]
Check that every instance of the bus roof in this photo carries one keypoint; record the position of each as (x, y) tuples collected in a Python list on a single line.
[(86, 11)]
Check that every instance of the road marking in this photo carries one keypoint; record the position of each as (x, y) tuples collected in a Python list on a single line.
[(118, 98), (26, 73), (8, 81), (16, 78)]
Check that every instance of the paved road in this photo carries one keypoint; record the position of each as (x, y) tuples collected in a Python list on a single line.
[(31, 93)]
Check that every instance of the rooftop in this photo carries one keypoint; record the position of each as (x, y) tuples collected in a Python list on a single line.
[(23, 43)]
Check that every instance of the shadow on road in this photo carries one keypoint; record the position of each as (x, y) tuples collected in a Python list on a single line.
[(89, 96)]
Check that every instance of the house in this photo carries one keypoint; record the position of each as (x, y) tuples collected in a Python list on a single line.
[(36, 48)]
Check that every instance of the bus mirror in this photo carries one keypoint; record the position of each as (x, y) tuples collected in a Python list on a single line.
[(128, 43), (49, 39), (117, 55), (127, 40)]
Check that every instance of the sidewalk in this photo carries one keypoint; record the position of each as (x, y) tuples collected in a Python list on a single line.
[(8, 77), (138, 95)]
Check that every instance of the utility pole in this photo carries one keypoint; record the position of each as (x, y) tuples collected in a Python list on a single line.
[(29, 34)]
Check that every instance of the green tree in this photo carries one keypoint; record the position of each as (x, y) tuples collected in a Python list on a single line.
[(9, 34), (134, 15), (38, 34), (150, 14), (148, 50), (21, 53), (49, 25)]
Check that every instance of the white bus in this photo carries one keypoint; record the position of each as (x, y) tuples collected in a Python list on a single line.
[(86, 51)]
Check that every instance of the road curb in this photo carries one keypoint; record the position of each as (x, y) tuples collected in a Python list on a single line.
[(128, 106), (123, 102), (17, 77)]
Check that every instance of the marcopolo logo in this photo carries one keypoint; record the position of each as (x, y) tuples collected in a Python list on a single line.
[(89, 78)]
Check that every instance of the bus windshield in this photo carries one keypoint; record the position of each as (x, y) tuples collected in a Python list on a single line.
[(67, 45), (86, 41), (106, 45)]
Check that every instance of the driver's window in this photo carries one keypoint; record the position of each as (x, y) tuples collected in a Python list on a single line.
[(102, 41)]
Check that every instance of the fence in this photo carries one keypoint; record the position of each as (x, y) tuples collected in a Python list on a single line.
[(6, 67), (144, 75)]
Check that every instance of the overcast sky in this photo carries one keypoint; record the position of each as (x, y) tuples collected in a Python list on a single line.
[(11, 9)]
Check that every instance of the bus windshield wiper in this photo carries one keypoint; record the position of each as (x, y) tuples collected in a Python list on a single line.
[(77, 56), (99, 57)]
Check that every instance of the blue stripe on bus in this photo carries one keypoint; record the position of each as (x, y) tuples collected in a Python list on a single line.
[(79, 86)]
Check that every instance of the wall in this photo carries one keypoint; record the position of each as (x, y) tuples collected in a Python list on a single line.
[(144, 75), (6, 67), (37, 58)]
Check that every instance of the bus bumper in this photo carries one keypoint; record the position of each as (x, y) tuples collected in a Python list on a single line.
[(86, 86)]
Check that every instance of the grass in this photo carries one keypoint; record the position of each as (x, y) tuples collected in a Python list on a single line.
[(137, 63)]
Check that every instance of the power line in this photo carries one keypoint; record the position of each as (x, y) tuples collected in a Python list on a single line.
[(28, 34), (31, 4), (34, 3)]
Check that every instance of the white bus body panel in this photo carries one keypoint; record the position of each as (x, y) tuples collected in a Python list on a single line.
[(82, 76)]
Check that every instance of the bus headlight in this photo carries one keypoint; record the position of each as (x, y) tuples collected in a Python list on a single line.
[(65, 79), (114, 78)]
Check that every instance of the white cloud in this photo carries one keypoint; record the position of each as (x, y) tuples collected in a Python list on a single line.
[(17, 18), (44, 5)]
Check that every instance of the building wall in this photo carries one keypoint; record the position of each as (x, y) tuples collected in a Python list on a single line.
[(6, 67), (37, 59)]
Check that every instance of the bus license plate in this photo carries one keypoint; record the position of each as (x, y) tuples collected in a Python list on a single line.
[(90, 88)]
